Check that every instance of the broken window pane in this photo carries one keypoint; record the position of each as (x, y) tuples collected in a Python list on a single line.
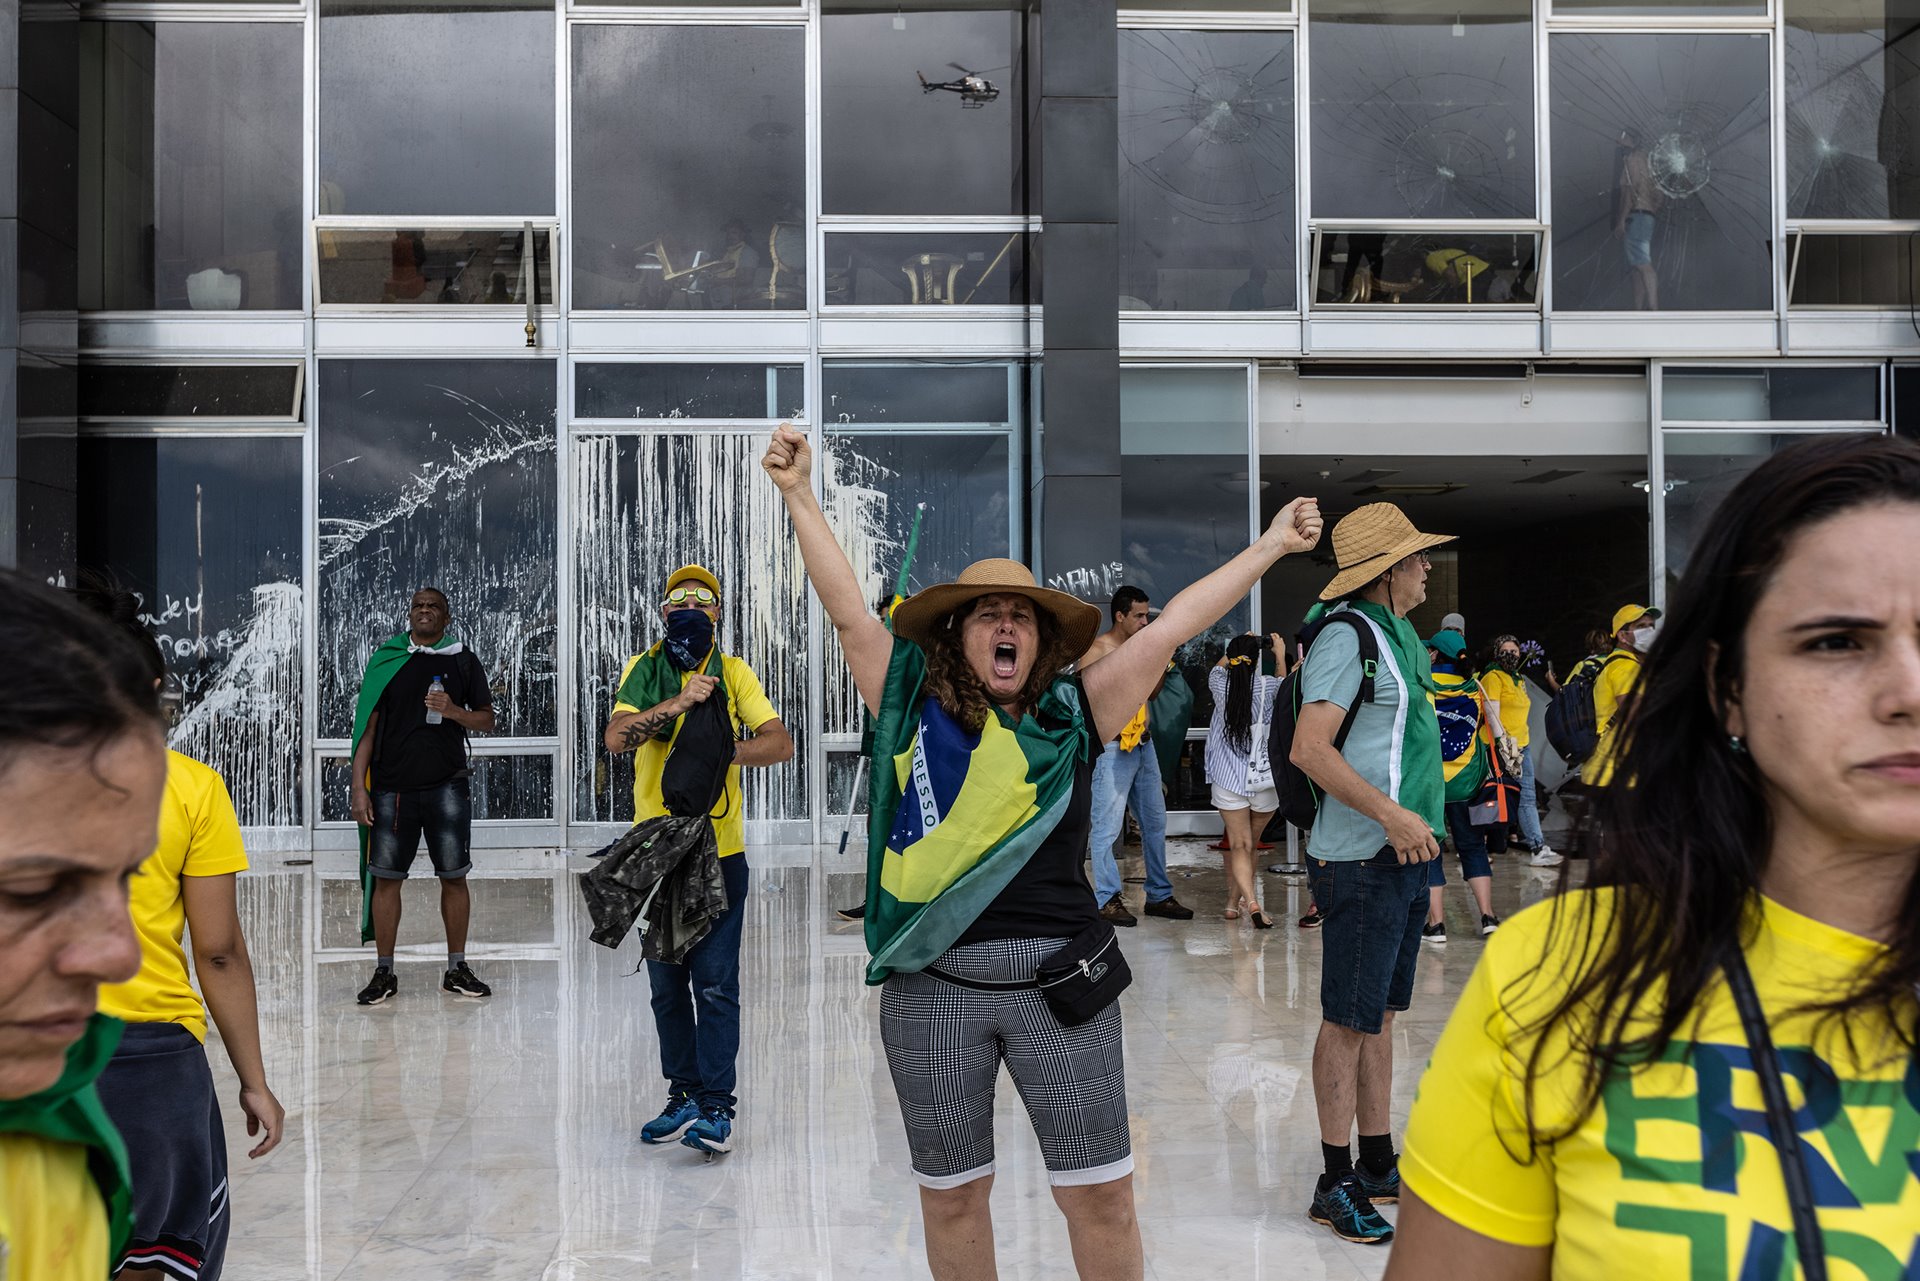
[(704, 206), (1424, 114), (207, 533), (1206, 171), (1662, 174), (1853, 109), (439, 473), (642, 506)]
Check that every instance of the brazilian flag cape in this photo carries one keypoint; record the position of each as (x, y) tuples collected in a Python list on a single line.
[(952, 816), (386, 661), (1168, 713), (70, 1111)]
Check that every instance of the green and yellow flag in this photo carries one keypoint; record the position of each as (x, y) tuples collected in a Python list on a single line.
[(952, 815)]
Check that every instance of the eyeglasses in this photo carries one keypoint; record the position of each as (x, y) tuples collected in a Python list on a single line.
[(698, 595)]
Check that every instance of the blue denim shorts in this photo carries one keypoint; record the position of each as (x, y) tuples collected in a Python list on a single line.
[(444, 814), (1639, 239), (1370, 941)]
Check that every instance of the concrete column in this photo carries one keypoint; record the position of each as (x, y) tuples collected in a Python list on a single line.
[(1076, 482), (39, 281)]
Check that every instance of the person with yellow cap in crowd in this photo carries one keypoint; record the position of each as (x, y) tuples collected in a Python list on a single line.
[(1633, 630), (696, 1003)]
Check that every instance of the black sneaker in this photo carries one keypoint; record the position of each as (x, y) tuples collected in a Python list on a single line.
[(381, 988), (1434, 934), (1169, 907), (1488, 924), (1312, 920), (460, 982), (1380, 1189), (1344, 1207), (858, 912), (1116, 912)]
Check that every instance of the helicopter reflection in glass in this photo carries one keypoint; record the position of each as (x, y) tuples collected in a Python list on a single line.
[(974, 88)]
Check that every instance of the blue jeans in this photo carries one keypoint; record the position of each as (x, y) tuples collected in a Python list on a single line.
[(1370, 937), (697, 1051), (1529, 805), (1120, 777), (1470, 844)]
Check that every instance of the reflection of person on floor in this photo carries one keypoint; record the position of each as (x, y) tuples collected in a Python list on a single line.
[(1252, 293), (421, 694), (696, 1004), (1637, 199)]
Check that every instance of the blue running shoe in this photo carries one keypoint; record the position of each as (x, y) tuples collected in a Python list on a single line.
[(1381, 1189), (713, 1132), (679, 1113), (1345, 1208)]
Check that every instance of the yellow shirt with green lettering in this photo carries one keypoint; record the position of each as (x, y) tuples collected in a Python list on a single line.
[(747, 707), (1673, 1176), (1611, 690), (53, 1222), (199, 836), (1516, 704)]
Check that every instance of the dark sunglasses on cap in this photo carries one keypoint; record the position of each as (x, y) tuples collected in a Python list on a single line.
[(693, 592)]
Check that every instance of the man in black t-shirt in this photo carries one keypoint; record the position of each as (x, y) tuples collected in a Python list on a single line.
[(410, 778)]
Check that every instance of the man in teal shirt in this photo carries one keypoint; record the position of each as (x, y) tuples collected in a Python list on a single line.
[(1379, 823)]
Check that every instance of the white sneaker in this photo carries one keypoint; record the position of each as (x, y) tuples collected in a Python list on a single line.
[(1545, 857)]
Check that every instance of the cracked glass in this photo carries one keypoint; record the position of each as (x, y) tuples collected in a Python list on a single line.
[(1422, 115), (1206, 171), (1662, 176), (1853, 109)]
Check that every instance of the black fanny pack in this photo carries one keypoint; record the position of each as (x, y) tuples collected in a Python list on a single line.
[(1080, 980)]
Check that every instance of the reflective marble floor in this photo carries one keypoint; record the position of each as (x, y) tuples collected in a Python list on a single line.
[(434, 1138)]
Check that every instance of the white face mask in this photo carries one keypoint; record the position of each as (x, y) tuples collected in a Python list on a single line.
[(1643, 636)]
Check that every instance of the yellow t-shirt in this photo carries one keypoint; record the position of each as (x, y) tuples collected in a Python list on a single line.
[(1610, 689), (53, 1222), (1673, 1176), (199, 836), (1516, 704), (748, 707)]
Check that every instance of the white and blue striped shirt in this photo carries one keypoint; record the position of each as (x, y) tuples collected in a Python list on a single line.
[(1227, 768)]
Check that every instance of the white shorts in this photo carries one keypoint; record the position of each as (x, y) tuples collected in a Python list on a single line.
[(1265, 800)]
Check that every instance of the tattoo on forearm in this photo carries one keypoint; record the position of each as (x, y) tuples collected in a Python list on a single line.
[(642, 730)]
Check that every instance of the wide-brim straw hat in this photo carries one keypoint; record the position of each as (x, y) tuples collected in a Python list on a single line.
[(1369, 542), (920, 614)]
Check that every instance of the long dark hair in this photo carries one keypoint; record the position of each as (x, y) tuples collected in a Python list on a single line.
[(75, 680), (951, 680), (1239, 722), (1683, 839)]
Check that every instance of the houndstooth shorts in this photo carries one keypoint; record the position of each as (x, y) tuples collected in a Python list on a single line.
[(945, 1045)]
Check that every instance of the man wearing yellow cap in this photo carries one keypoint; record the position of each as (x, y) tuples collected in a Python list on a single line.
[(1634, 627), (696, 1004)]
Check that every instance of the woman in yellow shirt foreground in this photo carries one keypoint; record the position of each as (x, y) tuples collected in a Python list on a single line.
[(1598, 1105), (82, 765)]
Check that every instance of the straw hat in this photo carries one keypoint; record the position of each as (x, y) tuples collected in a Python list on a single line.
[(1369, 542), (917, 616)]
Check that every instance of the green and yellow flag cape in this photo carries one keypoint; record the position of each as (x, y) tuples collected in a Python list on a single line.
[(952, 815), (70, 1111), (386, 661)]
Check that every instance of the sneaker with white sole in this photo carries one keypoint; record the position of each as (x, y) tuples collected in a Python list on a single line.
[(1344, 1207), (1488, 924), (381, 989), (1545, 857), (1434, 934), (713, 1132), (460, 981), (681, 1111)]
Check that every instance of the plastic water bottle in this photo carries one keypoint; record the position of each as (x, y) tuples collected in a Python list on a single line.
[(433, 717)]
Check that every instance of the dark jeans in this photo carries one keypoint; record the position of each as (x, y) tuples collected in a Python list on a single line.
[(1469, 840), (696, 1005), (1370, 941), (444, 814)]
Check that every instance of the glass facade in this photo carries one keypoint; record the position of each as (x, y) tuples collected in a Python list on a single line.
[(527, 284), (190, 146)]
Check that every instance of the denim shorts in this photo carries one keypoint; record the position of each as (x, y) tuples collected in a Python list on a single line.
[(444, 814), (1370, 941), (1639, 239)]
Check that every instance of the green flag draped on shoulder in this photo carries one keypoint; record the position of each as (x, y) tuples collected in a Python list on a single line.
[(652, 680), (70, 1111), (952, 815), (1168, 714), (384, 664)]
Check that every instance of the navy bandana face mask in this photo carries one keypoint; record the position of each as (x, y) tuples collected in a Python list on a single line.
[(689, 637)]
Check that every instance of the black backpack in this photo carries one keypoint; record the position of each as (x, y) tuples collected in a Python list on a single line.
[(1573, 726), (1299, 798)]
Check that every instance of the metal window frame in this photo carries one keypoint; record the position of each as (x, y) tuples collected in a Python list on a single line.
[(290, 423)]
